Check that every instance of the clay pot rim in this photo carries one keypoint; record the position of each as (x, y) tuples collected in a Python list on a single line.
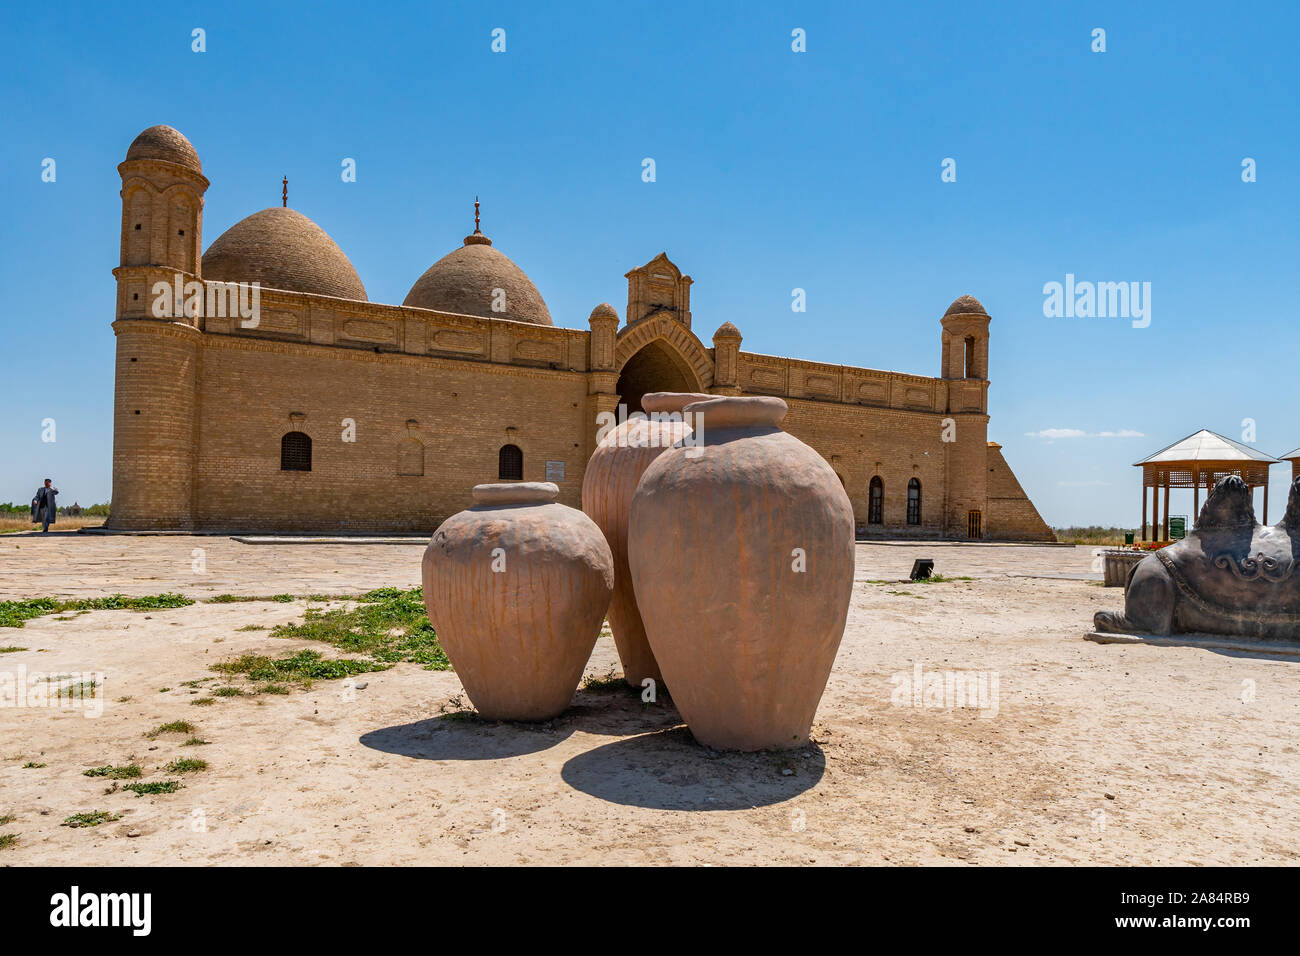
[(672, 401), (516, 492), (739, 411)]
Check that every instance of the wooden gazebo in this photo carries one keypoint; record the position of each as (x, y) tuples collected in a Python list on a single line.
[(1196, 462)]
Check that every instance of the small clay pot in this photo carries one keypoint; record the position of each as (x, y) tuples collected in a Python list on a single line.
[(741, 552), (517, 587), (608, 485)]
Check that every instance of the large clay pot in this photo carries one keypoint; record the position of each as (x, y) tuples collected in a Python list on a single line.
[(741, 553), (607, 489), (517, 587)]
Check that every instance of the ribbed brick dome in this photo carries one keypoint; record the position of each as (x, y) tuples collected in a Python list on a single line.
[(966, 305), (167, 144), (282, 249), (464, 282)]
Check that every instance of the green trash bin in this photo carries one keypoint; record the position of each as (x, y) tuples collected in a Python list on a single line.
[(1128, 537)]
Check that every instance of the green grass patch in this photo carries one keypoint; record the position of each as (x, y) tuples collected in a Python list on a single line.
[(11, 649), (86, 689), (7, 819), (203, 702), (273, 689), (941, 579), (387, 624), (91, 819), (253, 627), (175, 727), (127, 772), (7, 840), (32, 765), (186, 765), (159, 786), (228, 692), (196, 742), (16, 613), (302, 668), (906, 594), (248, 599), (610, 681)]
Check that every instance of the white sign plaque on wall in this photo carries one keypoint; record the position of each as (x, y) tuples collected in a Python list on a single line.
[(555, 471)]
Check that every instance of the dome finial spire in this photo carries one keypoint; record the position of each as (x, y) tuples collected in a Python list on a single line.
[(476, 238), (284, 195)]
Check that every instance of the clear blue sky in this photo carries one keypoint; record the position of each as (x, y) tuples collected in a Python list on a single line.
[(775, 170)]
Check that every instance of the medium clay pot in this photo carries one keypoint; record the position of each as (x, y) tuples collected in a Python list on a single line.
[(517, 587), (607, 489), (741, 553)]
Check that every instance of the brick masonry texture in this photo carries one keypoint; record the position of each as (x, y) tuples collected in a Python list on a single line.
[(202, 403)]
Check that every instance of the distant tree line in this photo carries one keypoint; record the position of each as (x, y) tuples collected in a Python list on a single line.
[(73, 510), (1093, 534)]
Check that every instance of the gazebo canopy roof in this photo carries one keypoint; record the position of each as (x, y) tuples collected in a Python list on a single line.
[(1205, 446), (1290, 456)]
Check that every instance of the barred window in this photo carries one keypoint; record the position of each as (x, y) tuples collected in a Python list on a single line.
[(295, 452), (510, 463), (914, 502), (876, 502)]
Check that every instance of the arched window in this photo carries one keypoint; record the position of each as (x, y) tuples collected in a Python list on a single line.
[(410, 457), (970, 356), (914, 502), (295, 452), (876, 502), (510, 463)]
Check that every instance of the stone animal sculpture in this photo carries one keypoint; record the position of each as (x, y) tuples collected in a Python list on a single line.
[(1230, 576)]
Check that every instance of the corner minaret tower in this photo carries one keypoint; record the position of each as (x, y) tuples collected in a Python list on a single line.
[(965, 434), (157, 348)]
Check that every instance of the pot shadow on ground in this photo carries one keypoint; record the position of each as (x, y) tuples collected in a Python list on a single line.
[(668, 770), (613, 709), (462, 735)]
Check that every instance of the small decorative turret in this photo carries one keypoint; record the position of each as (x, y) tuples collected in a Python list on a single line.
[(604, 334), (965, 339), (726, 359)]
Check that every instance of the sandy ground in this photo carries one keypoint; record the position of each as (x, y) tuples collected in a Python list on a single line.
[(1093, 754)]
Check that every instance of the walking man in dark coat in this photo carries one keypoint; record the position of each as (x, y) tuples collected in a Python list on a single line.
[(44, 510)]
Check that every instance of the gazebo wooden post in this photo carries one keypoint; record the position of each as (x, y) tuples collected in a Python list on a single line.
[(1144, 505), (1196, 495), (1165, 533), (1155, 507), (1265, 521)]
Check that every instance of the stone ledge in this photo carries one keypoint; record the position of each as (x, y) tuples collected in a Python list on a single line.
[(418, 539), (1215, 642)]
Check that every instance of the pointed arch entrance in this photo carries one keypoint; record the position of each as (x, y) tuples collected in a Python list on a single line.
[(659, 354), (653, 369)]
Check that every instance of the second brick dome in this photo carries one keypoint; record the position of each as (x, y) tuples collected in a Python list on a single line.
[(473, 279)]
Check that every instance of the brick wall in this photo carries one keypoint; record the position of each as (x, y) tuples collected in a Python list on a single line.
[(1012, 516)]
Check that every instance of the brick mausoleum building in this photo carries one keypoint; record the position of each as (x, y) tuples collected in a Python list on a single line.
[(222, 427)]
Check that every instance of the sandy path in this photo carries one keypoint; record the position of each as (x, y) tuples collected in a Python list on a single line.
[(1195, 747)]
